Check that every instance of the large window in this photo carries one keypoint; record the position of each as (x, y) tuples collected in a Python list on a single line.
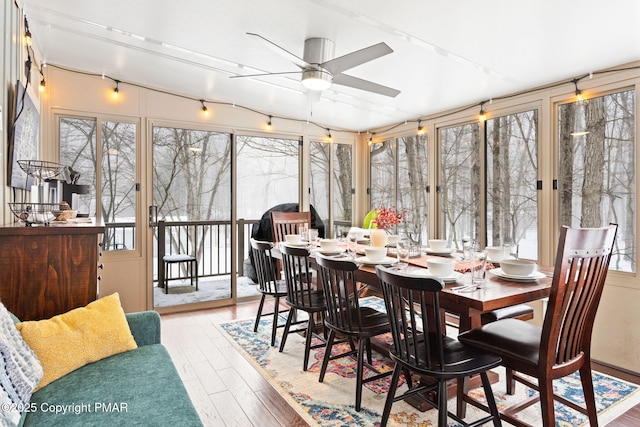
[(511, 169), (330, 178), (596, 170), (268, 174), (191, 174), (460, 182), (399, 176), (117, 155)]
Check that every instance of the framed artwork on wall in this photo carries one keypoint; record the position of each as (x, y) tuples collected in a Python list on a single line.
[(23, 137)]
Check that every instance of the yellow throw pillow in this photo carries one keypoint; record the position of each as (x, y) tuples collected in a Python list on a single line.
[(71, 340)]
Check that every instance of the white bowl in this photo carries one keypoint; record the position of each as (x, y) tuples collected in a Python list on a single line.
[(495, 253), (294, 239), (374, 253), (329, 245), (438, 245), (518, 267), (441, 267)]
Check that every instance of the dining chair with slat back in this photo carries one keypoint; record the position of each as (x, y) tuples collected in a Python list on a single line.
[(420, 345), (347, 318), (283, 223), (303, 294), (268, 284), (562, 345)]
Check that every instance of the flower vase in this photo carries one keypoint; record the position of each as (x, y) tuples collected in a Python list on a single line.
[(378, 238)]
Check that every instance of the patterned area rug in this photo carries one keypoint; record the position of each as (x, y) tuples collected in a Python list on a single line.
[(331, 403)]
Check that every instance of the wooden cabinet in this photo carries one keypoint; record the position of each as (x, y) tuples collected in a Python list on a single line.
[(46, 271)]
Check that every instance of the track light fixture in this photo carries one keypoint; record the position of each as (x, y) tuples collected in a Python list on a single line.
[(42, 86), (116, 90), (269, 123), (420, 128), (371, 138), (329, 138), (205, 110)]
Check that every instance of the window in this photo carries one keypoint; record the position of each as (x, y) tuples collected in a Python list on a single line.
[(460, 182), (268, 174), (596, 170), (117, 157), (511, 169), (331, 182), (191, 174), (399, 176)]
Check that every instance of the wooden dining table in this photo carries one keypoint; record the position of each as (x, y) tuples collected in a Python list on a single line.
[(468, 305)]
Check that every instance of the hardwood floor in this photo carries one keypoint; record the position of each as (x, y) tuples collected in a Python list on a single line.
[(227, 391)]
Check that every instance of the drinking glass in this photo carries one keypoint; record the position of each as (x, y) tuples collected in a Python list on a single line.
[(403, 249), (352, 244), (313, 235), (468, 246), (478, 268), (304, 233)]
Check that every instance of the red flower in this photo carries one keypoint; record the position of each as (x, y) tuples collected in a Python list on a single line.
[(388, 217)]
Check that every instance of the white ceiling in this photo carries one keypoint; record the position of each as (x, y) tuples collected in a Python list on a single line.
[(447, 54)]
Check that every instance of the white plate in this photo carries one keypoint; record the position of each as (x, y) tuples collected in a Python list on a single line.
[(384, 261), (453, 278), (434, 252), (530, 278), (296, 245), (329, 253)]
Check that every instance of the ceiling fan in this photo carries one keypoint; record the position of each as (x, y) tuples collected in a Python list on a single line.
[(320, 69)]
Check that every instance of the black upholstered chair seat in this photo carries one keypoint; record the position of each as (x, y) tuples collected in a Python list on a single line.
[(511, 338)]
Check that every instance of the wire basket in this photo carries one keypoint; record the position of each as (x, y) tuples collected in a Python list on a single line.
[(34, 213), (41, 170)]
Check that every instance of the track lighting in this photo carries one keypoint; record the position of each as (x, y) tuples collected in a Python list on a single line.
[(420, 128), (269, 123), (329, 138), (371, 138), (42, 86), (205, 110), (116, 90)]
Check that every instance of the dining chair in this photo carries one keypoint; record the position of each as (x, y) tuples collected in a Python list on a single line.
[(420, 345), (283, 223), (302, 295), (562, 345), (348, 319), (268, 284)]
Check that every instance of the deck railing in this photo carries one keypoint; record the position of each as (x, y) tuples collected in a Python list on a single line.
[(209, 241)]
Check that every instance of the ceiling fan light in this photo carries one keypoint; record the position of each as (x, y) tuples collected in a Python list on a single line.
[(316, 80)]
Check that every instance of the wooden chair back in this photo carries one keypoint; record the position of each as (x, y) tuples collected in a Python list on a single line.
[(265, 266), (283, 223), (415, 304), (301, 289), (581, 267), (340, 293)]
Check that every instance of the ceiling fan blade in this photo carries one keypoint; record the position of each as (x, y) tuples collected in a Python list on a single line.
[(282, 51), (264, 74), (355, 82), (353, 59)]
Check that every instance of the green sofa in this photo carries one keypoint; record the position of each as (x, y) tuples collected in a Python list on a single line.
[(135, 388)]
